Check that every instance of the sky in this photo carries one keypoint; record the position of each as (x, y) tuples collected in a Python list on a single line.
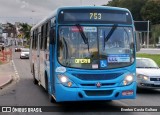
[(33, 10)]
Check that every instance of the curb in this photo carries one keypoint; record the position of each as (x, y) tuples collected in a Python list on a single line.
[(7, 82), (10, 76)]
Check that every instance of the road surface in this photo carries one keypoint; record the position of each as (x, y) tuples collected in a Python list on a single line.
[(25, 93)]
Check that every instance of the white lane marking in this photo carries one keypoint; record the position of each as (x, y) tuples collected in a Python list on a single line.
[(15, 70)]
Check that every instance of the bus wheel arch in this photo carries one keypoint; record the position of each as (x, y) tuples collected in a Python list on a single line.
[(51, 99), (46, 81), (35, 81)]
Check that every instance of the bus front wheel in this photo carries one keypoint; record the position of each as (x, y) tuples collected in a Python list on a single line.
[(34, 79), (51, 99)]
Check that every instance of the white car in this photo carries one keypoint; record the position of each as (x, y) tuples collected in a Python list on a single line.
[(24, 53), (148, 73)]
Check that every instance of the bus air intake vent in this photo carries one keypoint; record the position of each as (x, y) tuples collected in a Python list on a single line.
[(98, 93), (98, 76), (103, 84)]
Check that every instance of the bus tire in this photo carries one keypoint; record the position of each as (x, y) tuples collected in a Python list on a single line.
[(46, 82), (51, 99), (34, 79), (109, 100)]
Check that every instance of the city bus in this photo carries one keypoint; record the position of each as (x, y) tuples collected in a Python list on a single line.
[(85, 54)]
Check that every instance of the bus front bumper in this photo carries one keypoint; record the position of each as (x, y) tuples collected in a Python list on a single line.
[(86, 94)]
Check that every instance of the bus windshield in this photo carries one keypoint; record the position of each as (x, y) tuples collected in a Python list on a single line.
[(100, 51)]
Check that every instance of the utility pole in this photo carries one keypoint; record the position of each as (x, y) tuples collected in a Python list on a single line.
[(148, 35), (81, 2)]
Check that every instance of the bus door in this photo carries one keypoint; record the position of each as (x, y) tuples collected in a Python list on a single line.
[(52, 54), (38, 56)]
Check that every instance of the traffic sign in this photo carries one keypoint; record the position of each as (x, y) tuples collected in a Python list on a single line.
[(19, 35)]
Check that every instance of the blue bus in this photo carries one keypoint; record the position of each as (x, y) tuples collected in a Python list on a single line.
[(85, 54)]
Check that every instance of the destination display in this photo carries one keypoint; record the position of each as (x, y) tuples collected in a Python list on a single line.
[(98, 16)]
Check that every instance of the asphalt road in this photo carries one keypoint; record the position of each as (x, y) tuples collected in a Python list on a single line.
[(25, 93)]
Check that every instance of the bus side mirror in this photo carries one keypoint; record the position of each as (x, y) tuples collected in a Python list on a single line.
[(52, 35)]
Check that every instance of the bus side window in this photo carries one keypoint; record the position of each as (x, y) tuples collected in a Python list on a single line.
[(52, 35), (42, 37), (52, 31), (46, 38), (36, 39), (32, 40), (47, 34)]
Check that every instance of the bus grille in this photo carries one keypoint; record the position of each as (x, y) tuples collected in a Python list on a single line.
[(98, 76), (98, 93), (103, 84)]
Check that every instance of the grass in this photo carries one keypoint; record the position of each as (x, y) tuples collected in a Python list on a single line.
[(26, 46), (155, 57)]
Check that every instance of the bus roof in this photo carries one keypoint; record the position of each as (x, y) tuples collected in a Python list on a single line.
[(53, 14)]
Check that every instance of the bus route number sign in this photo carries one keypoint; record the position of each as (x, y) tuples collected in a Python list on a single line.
[(95, 16)]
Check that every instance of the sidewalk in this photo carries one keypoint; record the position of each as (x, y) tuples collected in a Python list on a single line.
[(6, 67), (5, 55), (6, 73)]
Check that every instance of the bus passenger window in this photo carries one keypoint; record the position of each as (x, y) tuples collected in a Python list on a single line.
[(41, 43)]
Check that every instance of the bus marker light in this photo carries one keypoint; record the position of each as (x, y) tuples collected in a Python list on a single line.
[(128, 92), (69, 84)]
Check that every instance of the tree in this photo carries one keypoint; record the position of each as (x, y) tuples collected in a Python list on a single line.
[(134, 6), (151, 11), (114, 3), (25, 29)]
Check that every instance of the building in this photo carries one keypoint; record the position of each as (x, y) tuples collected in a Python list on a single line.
[(1, 38), (1, 32), (10, 29)]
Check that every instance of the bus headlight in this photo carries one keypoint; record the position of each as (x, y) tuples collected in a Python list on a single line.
[(66, 81), (128, 79), (63, 79)]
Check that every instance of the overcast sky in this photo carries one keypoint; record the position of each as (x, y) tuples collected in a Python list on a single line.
[(14, 10)]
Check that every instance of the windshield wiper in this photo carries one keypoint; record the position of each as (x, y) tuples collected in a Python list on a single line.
[(109, 34), (85, 39)]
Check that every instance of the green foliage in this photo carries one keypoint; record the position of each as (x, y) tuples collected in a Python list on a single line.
[(155, 33), (134, 6), (140, 9), (143, 10), (114, 3), (155, 57), (25, 29), (151, 11), (26, 46)]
